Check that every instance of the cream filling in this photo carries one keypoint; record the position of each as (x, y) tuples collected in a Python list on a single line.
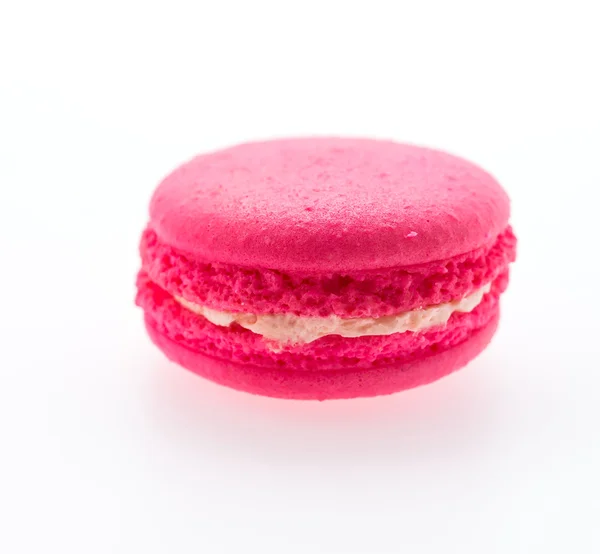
[(291, 328)]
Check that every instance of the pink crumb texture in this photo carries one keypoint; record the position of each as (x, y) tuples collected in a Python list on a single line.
[(358, 293)]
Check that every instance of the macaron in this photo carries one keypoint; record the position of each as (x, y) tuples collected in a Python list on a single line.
[(323, 268)]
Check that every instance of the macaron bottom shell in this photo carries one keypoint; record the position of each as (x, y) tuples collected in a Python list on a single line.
[(329, 384)]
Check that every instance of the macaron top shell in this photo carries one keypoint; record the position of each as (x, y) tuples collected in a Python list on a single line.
[(328, 205)]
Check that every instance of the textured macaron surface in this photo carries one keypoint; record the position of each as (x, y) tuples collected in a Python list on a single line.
[(328, 205), (356, 231), (356, 293)]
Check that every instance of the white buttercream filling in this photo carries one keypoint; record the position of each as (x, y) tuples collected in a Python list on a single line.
[(295, 329)]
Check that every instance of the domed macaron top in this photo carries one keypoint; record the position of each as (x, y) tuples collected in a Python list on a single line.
[(328, 205)]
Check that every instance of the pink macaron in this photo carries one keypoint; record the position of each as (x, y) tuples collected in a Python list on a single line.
[(324, 268)]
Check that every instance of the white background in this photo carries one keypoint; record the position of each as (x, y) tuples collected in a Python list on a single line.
[(105, 447)]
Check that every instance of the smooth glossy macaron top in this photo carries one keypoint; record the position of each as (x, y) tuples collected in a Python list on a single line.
[(327, 205)]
